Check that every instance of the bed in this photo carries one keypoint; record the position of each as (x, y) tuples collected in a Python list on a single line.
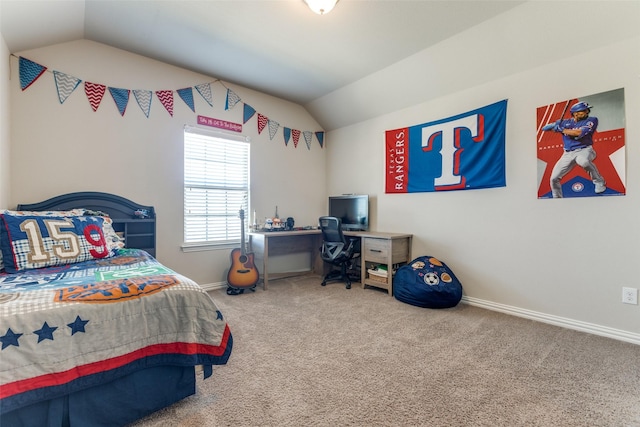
[(94, 331)]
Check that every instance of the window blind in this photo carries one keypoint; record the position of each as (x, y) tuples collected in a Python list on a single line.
[(216, 187)]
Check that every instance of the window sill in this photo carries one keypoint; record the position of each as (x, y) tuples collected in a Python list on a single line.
[(199, 247)]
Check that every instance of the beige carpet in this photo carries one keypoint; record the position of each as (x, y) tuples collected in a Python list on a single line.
[(307, 355)]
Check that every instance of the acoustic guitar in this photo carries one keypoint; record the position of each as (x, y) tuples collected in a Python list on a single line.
[(243, 273)]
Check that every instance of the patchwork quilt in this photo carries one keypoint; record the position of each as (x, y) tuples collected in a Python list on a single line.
[(69, 327)]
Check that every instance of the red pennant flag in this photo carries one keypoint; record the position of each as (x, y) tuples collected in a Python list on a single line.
[(296, 137), (94, 92), (262, 122), (166, 99)]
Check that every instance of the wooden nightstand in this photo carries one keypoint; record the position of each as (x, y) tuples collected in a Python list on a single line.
[(388, 249)]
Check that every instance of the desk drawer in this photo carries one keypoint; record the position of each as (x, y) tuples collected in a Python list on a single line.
[(376, 249)]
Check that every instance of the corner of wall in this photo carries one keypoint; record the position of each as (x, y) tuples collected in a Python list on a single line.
[(5, 123)]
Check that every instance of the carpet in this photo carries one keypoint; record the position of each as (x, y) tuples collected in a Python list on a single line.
[(307, 355)]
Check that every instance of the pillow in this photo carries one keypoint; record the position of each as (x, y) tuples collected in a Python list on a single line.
[(35, 241), (72, 212), (114, 241)]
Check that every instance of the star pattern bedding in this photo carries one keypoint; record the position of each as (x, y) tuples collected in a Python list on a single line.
[(69, 327)]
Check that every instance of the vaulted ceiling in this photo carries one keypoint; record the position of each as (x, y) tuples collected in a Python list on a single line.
[(277, 47)]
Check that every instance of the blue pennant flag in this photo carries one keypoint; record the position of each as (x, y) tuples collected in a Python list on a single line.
[(287, 134), (187, 96), (320, 136), (248, 113), (121, 98), (29, 72)]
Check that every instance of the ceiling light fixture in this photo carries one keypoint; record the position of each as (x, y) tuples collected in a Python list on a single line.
[(321, 7)]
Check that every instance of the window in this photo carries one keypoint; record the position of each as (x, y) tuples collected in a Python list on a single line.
[(216, 187)]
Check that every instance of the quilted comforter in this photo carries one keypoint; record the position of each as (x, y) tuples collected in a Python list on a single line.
[(67, 328)]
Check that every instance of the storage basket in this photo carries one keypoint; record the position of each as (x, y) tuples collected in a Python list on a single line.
[(377, 276)]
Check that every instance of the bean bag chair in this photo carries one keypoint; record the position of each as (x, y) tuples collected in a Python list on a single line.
[(427, 282)]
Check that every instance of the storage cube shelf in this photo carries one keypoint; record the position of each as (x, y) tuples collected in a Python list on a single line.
[(138, 233)]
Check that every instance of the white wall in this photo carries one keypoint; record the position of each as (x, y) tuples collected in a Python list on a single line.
[(59, 148), (5, 117), (562, 261)]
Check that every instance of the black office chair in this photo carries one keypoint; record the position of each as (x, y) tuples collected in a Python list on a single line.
[(337, 250)]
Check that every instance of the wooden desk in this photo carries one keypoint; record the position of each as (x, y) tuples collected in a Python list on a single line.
[(392, 249), (268, 243)]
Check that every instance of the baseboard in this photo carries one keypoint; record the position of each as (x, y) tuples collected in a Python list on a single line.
[(564, 322), (213, 286), (591, 328)]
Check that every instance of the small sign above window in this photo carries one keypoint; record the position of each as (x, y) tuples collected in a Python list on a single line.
[(221, 124)]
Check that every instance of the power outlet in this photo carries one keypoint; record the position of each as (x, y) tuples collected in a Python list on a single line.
[(630, 295)]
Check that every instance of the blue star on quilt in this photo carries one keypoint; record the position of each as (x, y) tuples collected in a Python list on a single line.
[(219, 315), (10, 338), (46, 332), (77, 325)]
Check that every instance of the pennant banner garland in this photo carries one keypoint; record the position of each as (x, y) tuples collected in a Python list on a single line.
[(66, 84)]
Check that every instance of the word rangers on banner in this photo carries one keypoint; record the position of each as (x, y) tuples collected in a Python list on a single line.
[(221, 124)]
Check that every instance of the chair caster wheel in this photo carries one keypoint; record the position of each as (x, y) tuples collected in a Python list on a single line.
[(348, 285), (323, 284)]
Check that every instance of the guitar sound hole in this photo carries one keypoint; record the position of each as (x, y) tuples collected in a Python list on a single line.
[(243, 258)]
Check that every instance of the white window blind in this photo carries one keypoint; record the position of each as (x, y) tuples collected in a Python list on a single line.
[(216, 187)]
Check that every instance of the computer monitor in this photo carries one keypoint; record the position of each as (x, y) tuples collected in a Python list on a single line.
[(352, 209)]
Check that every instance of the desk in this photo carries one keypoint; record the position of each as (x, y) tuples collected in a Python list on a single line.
[(392, 249)]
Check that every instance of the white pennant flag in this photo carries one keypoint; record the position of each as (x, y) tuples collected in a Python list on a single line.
[(205, 91), (232, 99), (65, 84), (273, 128), (144, 100), (307, 138)]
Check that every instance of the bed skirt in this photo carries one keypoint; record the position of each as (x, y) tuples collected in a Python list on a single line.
[(117, 403)]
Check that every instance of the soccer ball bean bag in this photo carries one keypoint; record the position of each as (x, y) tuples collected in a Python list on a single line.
[(427, 282)]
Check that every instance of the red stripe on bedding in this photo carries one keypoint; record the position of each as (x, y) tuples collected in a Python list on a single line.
[(59, 378)]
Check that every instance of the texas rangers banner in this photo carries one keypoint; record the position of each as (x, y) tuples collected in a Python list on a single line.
[(462, 152)]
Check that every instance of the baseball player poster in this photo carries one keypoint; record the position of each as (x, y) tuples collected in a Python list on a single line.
[(581, 147)]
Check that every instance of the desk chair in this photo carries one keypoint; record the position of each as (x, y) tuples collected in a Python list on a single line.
[(337, 250)]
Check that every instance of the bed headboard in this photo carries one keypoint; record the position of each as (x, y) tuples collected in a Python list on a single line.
[(138, 233)]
